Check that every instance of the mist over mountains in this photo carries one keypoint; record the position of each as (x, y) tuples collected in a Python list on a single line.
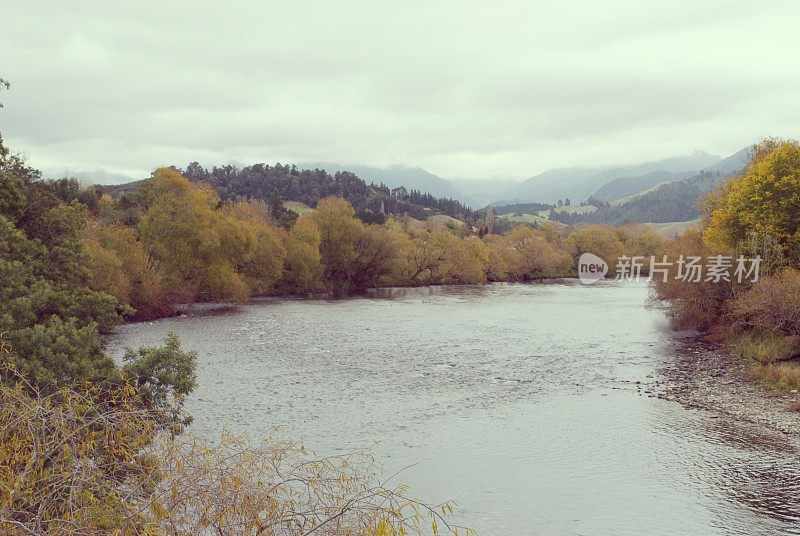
[(604, 183), (607, 183), (412, 178)]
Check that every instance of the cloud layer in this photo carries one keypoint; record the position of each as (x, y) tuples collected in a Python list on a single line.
[(463, 89)]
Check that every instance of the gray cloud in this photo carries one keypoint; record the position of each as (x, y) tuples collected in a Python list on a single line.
[(464, 89)]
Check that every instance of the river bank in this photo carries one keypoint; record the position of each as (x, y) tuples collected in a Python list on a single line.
[(535, 407), (702, 375)]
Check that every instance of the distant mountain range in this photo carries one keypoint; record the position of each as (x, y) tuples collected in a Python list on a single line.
[(412, 178), (579, 183), (670, 202), (606, 183)]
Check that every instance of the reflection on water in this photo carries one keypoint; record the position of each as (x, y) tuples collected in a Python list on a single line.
[(520, 402)]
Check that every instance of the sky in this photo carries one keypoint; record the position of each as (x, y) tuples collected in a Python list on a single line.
[(463, 89)]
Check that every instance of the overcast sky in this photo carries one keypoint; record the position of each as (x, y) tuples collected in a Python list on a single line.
[(463, 89)]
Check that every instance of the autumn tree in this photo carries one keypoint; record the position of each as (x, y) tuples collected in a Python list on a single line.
[(119, 265), (261, 263), (339, 231), (193, 246), (763, 202), (302, 265), (693, 302), (501, 257), (375, 256), (535, 257), (600, 240)]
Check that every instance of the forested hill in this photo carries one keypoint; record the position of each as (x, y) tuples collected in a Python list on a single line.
[(265, 182), (671, 202)]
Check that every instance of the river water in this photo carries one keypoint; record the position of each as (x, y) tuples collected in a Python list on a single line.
[(518, 402)]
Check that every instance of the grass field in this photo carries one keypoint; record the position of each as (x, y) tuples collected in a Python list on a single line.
[(527, 218), (296, 206), (674, 228)]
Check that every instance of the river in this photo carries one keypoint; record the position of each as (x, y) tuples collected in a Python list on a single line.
[(519, 402)]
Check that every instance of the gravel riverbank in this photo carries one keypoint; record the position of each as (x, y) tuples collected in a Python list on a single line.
[(707, 378)]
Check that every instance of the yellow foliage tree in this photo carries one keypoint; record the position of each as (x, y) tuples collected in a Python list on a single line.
[(535, 257), (194, 246), (501, 257), (339, 232), (118, 265), (600, 240), (262, 263), (303, 264), (764, 203)]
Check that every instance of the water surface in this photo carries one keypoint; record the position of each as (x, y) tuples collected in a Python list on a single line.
[(519, 402)]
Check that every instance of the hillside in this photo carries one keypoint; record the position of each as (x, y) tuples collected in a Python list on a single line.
[(626, 186), (307, 187), (671, 202), (578, 184)]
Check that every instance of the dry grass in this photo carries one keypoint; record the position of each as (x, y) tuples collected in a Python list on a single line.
[(764, 349), (781, 377)]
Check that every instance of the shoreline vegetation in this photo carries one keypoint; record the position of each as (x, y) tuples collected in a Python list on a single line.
[(92, 447), (754, 215), (170, 241)]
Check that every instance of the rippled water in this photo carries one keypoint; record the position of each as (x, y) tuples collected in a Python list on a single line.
[(519, 402)]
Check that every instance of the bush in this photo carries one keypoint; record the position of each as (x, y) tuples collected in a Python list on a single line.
[(691, 305), (772, 305), (93, 463)]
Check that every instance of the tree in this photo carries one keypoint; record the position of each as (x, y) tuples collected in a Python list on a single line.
[(501, 257), (51, 317), (535, 257), (191, 244), (339, 233), (163, 377), (302, 265), (262, 262), (375, 257), (599, 240), (697, 304), (118, 265), (92, 462), (763, 202)]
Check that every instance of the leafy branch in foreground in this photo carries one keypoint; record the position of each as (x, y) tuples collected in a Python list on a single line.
[(4, 84), (94, 462)]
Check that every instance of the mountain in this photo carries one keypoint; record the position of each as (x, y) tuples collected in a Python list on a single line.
[(578, 183), (665, 202), (627, 186), (482, 192), (674, 201), (735, 162), (412, 178)]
